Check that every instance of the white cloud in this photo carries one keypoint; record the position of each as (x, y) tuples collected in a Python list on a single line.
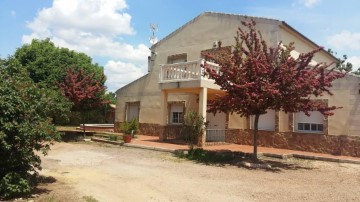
[(307, 3), (355, 61), (99, 16), (93, 27), (345, 39), (119, 73)]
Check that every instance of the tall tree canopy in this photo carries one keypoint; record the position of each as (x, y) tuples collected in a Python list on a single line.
[(257, 78), (47, 63), (25, 127), (47, 66)]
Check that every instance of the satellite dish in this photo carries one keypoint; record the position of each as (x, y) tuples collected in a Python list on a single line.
[(153, 40), (153, 28)]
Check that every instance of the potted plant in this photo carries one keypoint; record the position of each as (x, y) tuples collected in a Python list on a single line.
[(129, 129)]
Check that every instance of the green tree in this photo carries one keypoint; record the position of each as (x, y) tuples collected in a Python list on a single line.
[(342, 64), (110, 97), (25, 129), (47, 64)]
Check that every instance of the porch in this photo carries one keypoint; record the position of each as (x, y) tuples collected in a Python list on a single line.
[(188, 77)]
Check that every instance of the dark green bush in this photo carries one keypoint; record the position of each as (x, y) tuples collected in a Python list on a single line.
[(14, 185), (25, 129)]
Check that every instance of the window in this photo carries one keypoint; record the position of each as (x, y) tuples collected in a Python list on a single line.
[(311, 124), (177, 117), (266, 121), (132, 110), (176, 113), (172, 59)]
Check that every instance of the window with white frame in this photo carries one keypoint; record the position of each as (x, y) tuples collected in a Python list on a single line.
[(176, 113), (266, 121), (132, 110), (309, 124)]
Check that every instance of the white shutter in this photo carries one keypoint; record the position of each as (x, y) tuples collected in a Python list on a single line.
[(315, 117), (176, 108), (133, 111), (266, 121)]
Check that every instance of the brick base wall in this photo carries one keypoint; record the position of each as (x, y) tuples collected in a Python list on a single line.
[(168, 132), (144, 129), (150, 129), (330, 144)]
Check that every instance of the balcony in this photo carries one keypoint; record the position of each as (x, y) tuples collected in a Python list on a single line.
[(184, 71)]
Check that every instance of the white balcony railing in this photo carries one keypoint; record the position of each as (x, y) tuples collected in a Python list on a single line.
[(184, 71)]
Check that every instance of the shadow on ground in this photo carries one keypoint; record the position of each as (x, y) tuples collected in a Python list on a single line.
[(42, 180), (241, 160)]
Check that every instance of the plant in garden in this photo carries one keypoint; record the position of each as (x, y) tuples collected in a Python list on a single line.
[(257, 78), (83, 90), (130, 127), (25, 129), (113, 137), (193, 127)]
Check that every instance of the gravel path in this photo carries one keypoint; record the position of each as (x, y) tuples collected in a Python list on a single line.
[(110, 173)]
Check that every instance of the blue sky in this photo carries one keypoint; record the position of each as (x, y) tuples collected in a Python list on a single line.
[(116, 32)]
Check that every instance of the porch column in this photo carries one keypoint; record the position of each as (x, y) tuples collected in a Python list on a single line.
[(202, 112), (164, 114)]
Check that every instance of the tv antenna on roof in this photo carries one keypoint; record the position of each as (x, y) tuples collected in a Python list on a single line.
[(153, 28)]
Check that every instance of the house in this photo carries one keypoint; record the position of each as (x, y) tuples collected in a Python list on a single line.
[(174, 85)]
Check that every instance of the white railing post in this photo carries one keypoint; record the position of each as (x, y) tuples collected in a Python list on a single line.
[(184, 71), (200, 69)]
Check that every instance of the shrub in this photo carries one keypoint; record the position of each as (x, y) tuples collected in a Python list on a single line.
[(193, 128), (14, 185), (25, 129), (113, 137), (130, 127)]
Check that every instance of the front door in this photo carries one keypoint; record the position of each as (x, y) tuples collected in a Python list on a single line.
[(215, 131)]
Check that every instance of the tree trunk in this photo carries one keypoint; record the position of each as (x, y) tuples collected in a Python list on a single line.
[(255, 137)]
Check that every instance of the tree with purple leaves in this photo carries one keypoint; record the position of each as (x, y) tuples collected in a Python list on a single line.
[(257, 78)]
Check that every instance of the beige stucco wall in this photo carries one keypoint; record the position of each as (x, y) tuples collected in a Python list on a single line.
[(199, 35), (287, 36), (345, 121)]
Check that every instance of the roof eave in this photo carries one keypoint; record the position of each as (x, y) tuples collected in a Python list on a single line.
[(309, 40)]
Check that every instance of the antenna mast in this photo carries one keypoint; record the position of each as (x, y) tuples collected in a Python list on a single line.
[(153, 28)]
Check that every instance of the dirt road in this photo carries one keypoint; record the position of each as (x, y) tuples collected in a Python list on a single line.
[(109, 173)]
